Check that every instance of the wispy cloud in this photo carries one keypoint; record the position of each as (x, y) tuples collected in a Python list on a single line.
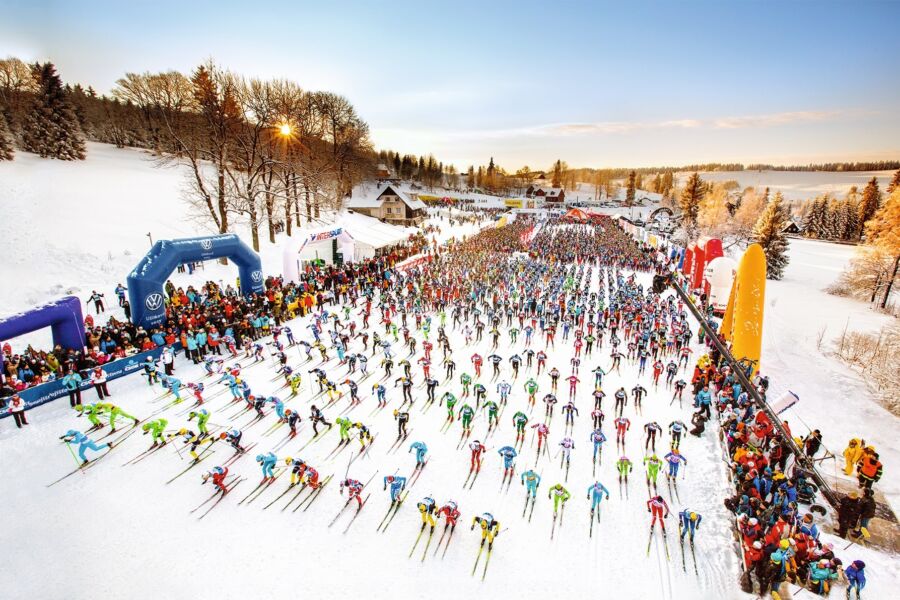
[(736, 122), (784, 118), (598, 128), (604, 127)]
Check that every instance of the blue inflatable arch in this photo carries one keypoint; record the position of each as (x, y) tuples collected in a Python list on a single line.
[(63, 316), (145, 283)]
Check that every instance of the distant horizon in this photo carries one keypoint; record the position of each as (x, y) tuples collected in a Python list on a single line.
[(596, 84)]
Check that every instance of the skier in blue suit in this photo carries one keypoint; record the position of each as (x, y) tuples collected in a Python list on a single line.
[(84, 443)]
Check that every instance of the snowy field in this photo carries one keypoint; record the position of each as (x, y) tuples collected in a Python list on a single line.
[(833, 398), (800, 185)]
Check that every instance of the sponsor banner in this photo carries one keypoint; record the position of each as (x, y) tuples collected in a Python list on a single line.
[(47, 392), (414, 262)]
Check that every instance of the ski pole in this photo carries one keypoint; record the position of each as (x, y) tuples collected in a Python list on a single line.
[(75, 458)]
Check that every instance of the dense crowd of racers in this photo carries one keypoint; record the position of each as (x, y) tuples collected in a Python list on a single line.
[(526, 286)]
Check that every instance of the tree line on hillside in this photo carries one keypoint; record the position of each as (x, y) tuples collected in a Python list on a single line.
[(742, 217), (266, 152)]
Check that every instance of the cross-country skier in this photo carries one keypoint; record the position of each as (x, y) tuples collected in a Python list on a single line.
[(233, 437), (624, 467), (450, 511), (490, 528), (560, 495), (520, 420), (397, 484), (202, 417), (477, 449), (689, 522), (660, 510), (427, 509), (652, 463), (674, 458), (84, 443), (354, 490), (267, 463), (297, 467), (508, 453), (531, 481), (652, 429), (157, 429), (218, 475), (421, 450), (597, 438), (595, 494), (676, 430)]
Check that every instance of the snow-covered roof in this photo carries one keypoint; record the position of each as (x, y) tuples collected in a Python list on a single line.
[(548, 191), (364, 197), (372, 232)]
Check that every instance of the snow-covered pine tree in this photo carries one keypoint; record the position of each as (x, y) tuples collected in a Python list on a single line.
[(851, 219), (769, 233), (51, 129), (6, 144), (814, 218), (895, 183), (629, 189), (691, 196), (871, 200), (837, 219)]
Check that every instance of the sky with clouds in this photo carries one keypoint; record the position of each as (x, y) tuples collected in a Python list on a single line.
[(634, 83)]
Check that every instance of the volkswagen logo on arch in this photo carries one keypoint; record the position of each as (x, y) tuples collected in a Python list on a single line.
[(154, 301)]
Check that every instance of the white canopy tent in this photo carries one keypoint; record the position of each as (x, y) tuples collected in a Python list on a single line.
[(358, 237)]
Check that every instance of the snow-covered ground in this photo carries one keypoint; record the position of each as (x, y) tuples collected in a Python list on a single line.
[(82, 226), (800, 185), (72, 227), (833, 398), (104, 516)]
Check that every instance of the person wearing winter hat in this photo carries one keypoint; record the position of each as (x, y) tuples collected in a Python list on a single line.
[(856, 577), (848, 513), (852, 454), (16, 408)]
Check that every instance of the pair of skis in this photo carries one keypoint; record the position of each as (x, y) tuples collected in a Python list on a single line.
[(261, 488), (399, 442), (562, 514), (392, 512), (440, 541), (307, 502), (591, 528), (218, 495), (693, 556), (356, 514), (487, 559), (472, 470), (427, 544), (665, 541)]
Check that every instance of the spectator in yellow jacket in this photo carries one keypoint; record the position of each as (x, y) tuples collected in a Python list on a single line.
[(852, 455)]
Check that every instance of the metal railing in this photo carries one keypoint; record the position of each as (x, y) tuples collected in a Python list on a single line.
[(801, 459)]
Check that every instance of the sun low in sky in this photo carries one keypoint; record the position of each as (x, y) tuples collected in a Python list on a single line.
[(594, 83)]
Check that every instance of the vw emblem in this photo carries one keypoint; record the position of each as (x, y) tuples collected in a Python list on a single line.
[(256, 276), (206, 244), (154, 301)]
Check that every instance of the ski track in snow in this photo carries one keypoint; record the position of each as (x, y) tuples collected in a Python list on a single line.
[(139, 527)]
